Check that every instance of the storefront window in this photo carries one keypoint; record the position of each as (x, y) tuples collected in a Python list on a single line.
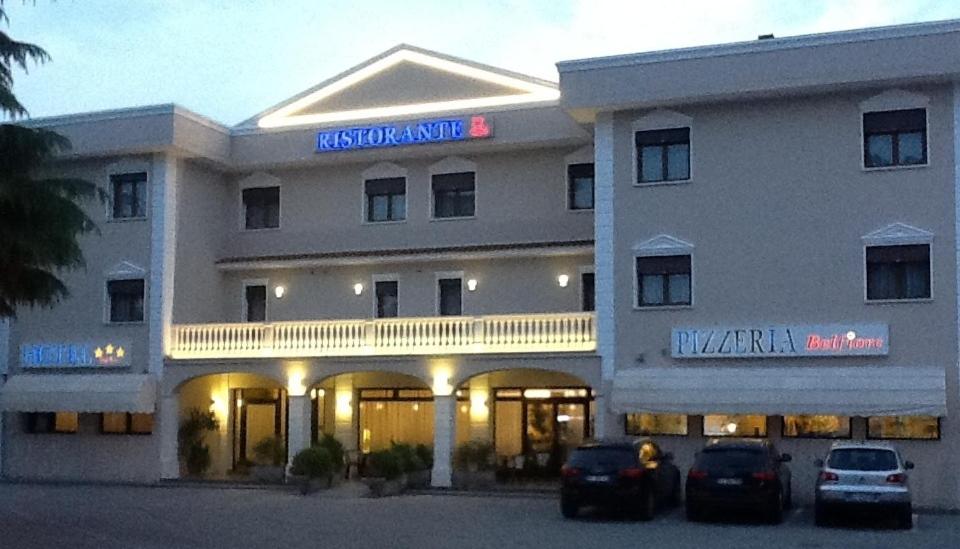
[(816, 426), (656, 424), (904, 427), (395, 421), (735, 425), (51, 422)]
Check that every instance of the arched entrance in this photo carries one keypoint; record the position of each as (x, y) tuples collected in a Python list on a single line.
[(533, 418)]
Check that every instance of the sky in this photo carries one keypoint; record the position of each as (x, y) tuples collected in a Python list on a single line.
[(230, 59)]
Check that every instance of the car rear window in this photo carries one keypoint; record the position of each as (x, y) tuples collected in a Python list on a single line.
[(731, 458), (603, 457), (862, 459)]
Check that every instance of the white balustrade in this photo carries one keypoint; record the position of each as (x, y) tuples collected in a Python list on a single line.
[(560, 332)]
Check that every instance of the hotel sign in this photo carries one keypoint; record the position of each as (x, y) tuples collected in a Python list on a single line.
[(75, 354), (394, 135), (781, 341)]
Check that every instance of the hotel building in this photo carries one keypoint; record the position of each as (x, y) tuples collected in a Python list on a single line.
[(412, 251)]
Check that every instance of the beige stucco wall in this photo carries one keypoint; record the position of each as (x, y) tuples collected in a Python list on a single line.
[(776, 209)]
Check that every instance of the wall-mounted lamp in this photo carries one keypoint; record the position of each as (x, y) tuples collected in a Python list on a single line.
[(279, 291), (472, 284), (357, 288), (563, 280)]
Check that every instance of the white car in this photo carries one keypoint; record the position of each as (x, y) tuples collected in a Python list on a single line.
[(865, 475)]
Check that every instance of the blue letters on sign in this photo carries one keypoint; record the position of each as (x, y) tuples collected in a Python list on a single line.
[(392, 135)]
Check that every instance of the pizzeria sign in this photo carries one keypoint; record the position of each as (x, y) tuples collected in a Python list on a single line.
[(764, 341)]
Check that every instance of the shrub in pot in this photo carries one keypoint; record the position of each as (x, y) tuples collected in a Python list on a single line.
[(271, 457), (335, 449), (193, 452), (312, 464), (425, 453), (474, 465)]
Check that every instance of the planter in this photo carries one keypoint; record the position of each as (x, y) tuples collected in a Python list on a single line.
[(268, 474), (308, 485), (381, 487), (474, 480)]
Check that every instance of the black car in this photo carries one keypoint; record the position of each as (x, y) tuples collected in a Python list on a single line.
[(739, 474), (634, 476)]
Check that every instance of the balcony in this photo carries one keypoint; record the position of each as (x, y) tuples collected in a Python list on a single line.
[(526, 333)]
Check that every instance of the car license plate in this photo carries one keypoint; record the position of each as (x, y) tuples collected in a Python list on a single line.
[(598, 478), (730, 481), (863, 498)]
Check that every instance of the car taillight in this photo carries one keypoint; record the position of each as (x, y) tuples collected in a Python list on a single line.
[(765, 475), (827, 476), (696, 474), (631, 472), (896, 478), (566, 471)]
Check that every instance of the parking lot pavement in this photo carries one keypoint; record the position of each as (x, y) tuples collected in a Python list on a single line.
[(34, 516)]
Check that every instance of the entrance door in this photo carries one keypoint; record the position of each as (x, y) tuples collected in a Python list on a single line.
[(553, 429), (260, 425), (258, 414)]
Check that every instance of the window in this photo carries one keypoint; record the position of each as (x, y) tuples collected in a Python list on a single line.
[(663, 280), (129, 195), (51, 422), (663, 155), (656, 424), (255, 302), (898, 272), (904, 427), (454, 195), (895, 138), (126, 300), (580, 186), (386, 199), (451, 296), (386, 296), (816, 426), (121, 423), (734, 426), (587, 298), (261, 208)]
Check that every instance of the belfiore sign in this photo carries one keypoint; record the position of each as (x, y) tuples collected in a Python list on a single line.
[(781, 341), (393, 135), (74, 355)]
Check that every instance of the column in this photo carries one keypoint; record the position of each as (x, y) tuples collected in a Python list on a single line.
[(344, 420), (169, 424), (298, 430), (480, 403), (444, 409), (163, 234), (604, 265)]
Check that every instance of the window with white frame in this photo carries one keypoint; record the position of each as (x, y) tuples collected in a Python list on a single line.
[(580, 192), (895, 138), (255, 301), (898, 272), (386, 295), (454, 194), (386, 199), (663, 155), (261, 208), (125, 300), (449, 295), (663, 281), (588, 300)]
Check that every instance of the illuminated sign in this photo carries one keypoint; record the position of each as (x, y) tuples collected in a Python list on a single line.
[(75, 355), (781, 341), (394, 135)]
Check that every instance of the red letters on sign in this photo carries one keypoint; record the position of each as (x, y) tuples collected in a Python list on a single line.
[(479, 127)]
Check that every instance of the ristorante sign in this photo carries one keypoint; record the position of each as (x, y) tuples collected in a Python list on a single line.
[(406, 133), (75, 354), (781, 341)]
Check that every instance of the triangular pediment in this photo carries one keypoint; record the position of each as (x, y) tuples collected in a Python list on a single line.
[(125, 270), (406, 81), (897, 233), (663, 244)]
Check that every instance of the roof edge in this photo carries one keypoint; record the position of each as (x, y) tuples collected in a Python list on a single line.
[(122, 113)]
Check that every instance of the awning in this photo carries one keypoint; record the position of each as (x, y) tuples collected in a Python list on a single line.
[(834, 390), (79, 393)]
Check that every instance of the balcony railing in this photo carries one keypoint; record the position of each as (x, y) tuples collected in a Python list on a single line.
[(531, 333)]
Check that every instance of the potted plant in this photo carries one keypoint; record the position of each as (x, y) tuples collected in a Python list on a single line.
[(416, 474), (474, 465), (382, 471), (194, 453), (336, 451), (271, 458), (312, 468)]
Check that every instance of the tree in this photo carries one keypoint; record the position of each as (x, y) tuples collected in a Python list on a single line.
[(41, 218)]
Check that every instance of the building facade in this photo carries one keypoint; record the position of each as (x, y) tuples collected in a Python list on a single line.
[(413, 251)]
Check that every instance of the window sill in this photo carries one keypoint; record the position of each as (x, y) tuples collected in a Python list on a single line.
[(463, 218), (130, 323), (580, 210), (661, 307), (389, 222), (897, 301), (662, 183), (894, 168), (264, 230), (126, 219)]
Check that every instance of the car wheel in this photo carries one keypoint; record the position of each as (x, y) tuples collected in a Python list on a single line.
[(569, 508), (648, 504), (694, 511), (905, 517), (820, 517), (775, 510)]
